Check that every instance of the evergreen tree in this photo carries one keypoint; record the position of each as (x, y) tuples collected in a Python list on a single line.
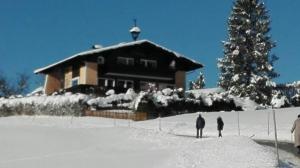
[(199, 83), (247, 69)]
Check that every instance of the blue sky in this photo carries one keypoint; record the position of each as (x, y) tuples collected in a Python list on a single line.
[(35, 33)]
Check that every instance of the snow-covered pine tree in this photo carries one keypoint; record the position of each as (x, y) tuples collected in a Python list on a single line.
[(247, 69), (199, 83)]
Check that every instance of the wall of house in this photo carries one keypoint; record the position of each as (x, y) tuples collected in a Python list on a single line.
[(180, 79), (52, 82), (91, 73), (82, 74), (87, 74), (68, 77)]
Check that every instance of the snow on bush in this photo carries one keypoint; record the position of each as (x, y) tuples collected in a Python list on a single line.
[(138, 99), (110, 92), (208, 96), (122, 100), (164, 97), (167, 91), (66, 104), (294, 84), (215, 98), (246, 103), (279, 100), (167, 101), (296, 100)]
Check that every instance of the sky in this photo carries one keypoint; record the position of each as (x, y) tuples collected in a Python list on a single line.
[(35, 33)]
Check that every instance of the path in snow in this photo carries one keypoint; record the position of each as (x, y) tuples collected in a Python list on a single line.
[(287, 153)]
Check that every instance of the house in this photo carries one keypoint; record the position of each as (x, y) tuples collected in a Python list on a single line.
[(137, 64)]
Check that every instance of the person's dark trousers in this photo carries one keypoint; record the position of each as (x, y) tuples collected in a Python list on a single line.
[(197, 133), (298, 149), (220, 133), (200, 132)]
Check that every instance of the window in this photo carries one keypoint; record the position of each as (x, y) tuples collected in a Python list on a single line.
[(75, 81), (149, 63), (75, 71), (106, 82), (121, 84), (110, 83), (100, 60), (125, 84), (125, 61), (129, 84)]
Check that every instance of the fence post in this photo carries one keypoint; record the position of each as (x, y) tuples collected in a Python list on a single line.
[(115, 122), (276, 141), (72, 119), (238, 118), (128, 118), (159, 122), (268, 122)]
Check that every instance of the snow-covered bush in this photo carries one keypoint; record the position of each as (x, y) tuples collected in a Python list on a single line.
[(67, 104), (214, 100), (165, 102), (279, 101), (296, 100), (170, 102), (110, 92), (112, 100)]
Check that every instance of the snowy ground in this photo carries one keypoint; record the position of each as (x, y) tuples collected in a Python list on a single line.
[(29, 142)]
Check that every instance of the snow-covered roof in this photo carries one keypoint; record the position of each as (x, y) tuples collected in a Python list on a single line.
[(120, 45)]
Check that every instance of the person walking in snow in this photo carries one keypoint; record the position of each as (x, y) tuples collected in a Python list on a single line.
[(220, 125), (296, 128), (200, 123)]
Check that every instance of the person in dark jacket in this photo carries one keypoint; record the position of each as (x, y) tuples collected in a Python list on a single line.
[(220, 125), (200, 123)]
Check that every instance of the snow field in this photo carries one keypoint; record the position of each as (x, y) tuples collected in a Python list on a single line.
[(47, 141)]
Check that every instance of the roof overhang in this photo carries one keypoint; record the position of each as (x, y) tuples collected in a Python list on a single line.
[(192, 64)]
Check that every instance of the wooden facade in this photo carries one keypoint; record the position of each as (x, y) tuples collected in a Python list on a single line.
[(52, 82), (130, 65)]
